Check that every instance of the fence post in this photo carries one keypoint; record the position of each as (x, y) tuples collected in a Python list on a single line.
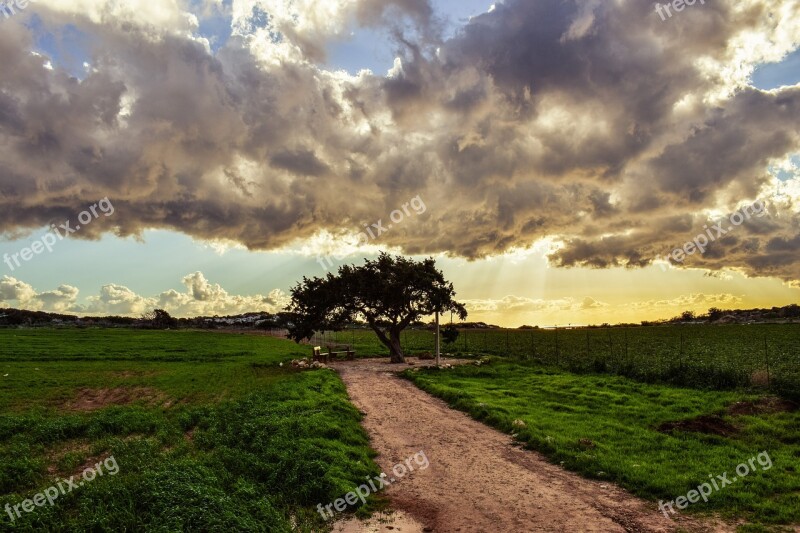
[(557, 354), (533, 347), (507, 348), (626, 344), (588, 352), (766, 358), (465, 341)]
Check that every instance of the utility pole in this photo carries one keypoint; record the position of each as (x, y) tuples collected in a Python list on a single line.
[(438, 347)]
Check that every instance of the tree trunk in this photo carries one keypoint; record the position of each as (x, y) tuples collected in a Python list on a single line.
[(395, 350), (392, 342)]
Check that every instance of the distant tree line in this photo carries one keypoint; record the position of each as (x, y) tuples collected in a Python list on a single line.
[(21, 317), (161, 319), (717, 315)]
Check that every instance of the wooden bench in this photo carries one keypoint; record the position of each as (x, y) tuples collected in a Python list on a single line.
[(334, 350), (318, 354)]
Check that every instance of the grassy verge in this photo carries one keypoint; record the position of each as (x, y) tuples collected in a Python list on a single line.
[(606, 427), (211, 433)]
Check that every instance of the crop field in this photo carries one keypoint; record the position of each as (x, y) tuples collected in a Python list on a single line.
[(208, 431), (718, 357)]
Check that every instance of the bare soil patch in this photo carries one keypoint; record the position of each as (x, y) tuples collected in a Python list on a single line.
[(391, 522), (133, 374), (93, 399), (708, 424), (716, 425), (61, 449), (76, 446), (90, 462), (763, 406)]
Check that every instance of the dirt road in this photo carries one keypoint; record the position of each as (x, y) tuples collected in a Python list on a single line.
[(478, 480)]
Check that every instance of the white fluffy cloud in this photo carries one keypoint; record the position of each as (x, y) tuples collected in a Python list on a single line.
[(519, 304), (566, 309), (13, 289), (200, 298), (205, 298), (691, 301), (118, 300), (25, 296)]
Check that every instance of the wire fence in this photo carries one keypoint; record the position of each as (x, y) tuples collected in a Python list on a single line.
[(718, 357)]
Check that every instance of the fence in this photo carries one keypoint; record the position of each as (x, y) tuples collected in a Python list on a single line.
[(719, 357)]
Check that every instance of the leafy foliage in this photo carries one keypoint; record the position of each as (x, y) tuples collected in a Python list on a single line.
[(389, 293), (159, 319), (450, 334)]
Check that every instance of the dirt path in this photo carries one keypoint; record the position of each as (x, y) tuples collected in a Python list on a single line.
[(478, 480)]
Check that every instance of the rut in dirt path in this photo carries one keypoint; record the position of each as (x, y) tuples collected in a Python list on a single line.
[(478, 480)]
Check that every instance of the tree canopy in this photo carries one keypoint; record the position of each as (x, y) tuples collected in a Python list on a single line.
[(388, 293)]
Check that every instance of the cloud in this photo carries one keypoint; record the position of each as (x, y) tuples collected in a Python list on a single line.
[(119, 300), (13, 289), (690, 301), (516, 304), (591, 303), (562, 310), (25, 296), (591, 124), (60, 300), (200, 298), (201, 290)]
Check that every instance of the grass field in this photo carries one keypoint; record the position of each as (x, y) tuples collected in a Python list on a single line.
[(607, 428), (717, 357), (209, 433)]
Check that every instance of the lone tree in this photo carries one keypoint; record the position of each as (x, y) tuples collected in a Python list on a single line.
[(159, 319), (389, 293)]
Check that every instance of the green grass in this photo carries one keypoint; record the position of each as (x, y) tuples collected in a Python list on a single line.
[(619, 418), (718, 357), (223, 438)]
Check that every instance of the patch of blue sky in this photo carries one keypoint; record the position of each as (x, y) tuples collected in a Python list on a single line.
[(214, 21), (374, 49), (366, 48), (67, 47), (785, 174), (217, 29), (774, 75), (457, 13)]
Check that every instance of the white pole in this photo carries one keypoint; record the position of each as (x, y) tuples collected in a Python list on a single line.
[(438, 349)]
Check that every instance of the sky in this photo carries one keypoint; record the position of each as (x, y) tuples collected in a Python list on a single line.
[(553, 155)]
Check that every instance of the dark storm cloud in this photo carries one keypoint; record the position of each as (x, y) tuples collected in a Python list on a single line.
[(301, 162), (376, 11), (735, 144), (592, 123)]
